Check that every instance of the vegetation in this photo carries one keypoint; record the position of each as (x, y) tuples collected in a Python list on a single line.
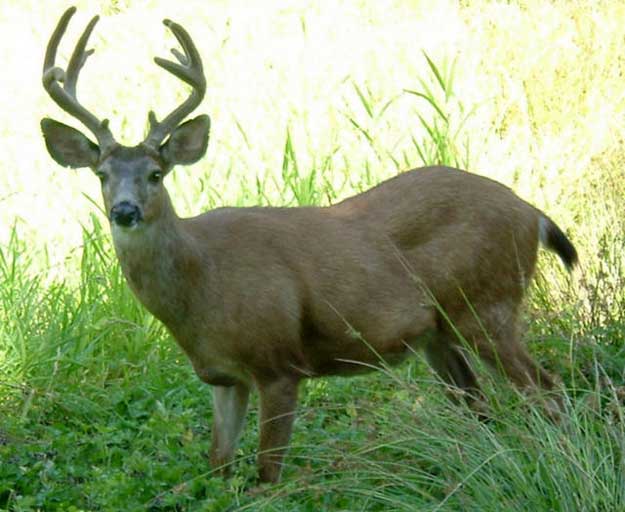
[(99, 410)]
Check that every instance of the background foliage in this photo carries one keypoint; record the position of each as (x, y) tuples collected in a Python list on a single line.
[(311, 102)]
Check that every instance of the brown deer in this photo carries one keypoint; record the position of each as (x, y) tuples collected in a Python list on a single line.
[(435, 259)]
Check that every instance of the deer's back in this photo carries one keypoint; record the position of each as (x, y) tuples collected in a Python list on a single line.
[(455, 228), (320, 280)]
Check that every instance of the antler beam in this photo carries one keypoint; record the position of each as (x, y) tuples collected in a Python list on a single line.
[(188, 69), (65, 97)]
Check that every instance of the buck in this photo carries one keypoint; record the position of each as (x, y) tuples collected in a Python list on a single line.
[(435, 259)]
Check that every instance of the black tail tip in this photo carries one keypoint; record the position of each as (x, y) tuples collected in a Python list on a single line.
[(555, 239)]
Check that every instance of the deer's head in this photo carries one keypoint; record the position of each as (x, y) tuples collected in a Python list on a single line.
[(131, 177)]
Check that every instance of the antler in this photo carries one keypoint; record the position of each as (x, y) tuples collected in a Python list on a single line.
[(190, 71), (65, 97)]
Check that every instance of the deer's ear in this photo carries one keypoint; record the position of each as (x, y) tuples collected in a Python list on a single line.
[(68, 146), (188, 142)]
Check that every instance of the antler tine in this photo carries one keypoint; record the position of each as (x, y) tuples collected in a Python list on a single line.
[(78, 58), (55, 39), (65, 97), (189, 70)]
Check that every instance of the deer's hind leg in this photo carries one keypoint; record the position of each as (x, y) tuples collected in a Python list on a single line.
[(495, 336), (492, 331), (449, 360)]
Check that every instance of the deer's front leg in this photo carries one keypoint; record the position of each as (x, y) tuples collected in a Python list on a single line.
[(278, 400), (229, 408)]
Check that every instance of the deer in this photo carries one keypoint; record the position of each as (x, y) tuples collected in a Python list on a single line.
[(434, 260)]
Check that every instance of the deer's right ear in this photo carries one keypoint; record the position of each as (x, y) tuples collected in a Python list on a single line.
[(68, 146), (188, 142)]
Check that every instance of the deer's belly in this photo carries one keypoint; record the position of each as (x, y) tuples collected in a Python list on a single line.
[(326, 357)]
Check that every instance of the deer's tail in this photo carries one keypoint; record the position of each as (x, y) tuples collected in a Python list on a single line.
[(552, 237)]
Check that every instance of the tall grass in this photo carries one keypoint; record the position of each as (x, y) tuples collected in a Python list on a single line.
[(99, 409)]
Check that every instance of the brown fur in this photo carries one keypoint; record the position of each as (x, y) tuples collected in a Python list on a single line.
[(269, 296), (435, 259)]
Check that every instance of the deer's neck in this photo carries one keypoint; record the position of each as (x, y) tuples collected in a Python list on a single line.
[(161, 263)]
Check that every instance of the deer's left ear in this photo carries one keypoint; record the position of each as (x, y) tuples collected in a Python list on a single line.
[(68, 146), (188, 142)]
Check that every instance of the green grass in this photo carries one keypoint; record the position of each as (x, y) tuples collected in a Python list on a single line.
[(99, 409)]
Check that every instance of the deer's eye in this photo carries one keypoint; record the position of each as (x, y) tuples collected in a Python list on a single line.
[(155, 176), (101, 176)]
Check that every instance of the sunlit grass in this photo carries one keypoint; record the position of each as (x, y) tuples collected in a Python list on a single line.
[(543, 90)]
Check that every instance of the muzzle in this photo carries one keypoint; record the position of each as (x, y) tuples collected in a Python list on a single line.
[(125, 214)]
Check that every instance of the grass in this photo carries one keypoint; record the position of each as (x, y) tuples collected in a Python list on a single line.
[(99, 410)]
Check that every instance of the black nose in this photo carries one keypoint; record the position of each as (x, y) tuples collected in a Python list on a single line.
[(125, 214)]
